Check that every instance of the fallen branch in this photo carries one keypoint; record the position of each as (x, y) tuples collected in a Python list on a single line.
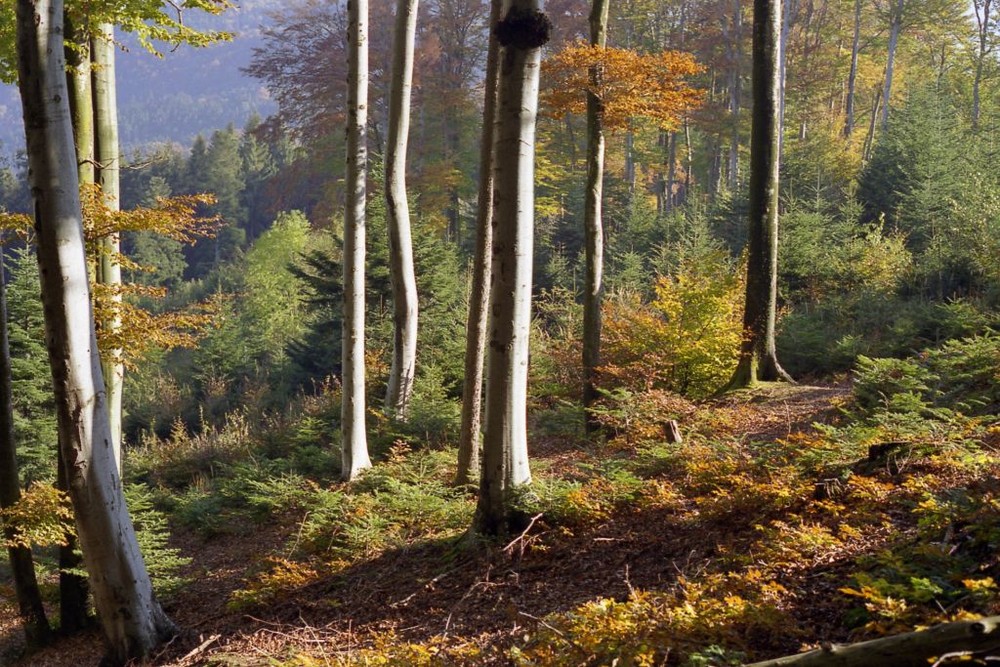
[(520, 538), (913, 649), (200, 649)]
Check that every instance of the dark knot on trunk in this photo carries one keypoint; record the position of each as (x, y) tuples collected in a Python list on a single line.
[(523, 29)]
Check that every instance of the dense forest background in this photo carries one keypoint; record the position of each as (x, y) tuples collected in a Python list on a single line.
[(866, 496)]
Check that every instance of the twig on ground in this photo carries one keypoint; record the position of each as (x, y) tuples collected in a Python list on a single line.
[(201, 648)]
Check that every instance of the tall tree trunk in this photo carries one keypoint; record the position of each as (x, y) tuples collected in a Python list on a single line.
[(758, 358), (29, 599), (109, 270), (593, 226), (130, 616), (74, 592), (630, 160), (983, 27), (521, 33), (895, 27), (668, 194), (786, 27), (869, 145), (355, 440), (852, 77), (735, 99), (688, 160), (469, 443), (404, 281)]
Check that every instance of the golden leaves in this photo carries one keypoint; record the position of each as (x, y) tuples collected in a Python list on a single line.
[(629, 84)]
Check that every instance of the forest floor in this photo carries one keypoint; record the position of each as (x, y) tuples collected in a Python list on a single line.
[(452, 597)]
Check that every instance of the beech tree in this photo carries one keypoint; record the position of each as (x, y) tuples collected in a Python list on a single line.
[(401, 272), (758, 355), (354, 441), (109, 270), (593, 291), (520, 33), (617, 86), (479, 296), (131, 618), (987, 28)]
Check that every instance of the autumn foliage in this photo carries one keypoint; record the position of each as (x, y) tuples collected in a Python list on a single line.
[(631, 85), (685, 340)]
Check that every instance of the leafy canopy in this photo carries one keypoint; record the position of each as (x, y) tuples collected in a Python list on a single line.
[(630, 84)]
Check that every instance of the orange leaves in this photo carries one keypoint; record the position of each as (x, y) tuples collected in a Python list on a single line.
[(630, 84), (174, 217), (140, 329)]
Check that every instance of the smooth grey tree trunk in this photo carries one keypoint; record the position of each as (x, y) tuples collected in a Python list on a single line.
[(984, 29), (74, 593), (895, 27), (469, 443), (521, 33), (758, 357), (593, 226), (354, 456), (131, 618), (735, 98), (401, 272), (786, 28), (109, 270), (29, 598), (913, 649), (852, 77)]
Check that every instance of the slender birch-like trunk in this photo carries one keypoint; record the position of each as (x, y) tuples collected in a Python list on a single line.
[(521, 33), (355, 440), (735, 99), (852, 77), (29, 598), (895, 27), (593, 291), (758, 356), (401, 272), (984, 27), (109, 270), (131, 618), (469, 443), (74, 593)]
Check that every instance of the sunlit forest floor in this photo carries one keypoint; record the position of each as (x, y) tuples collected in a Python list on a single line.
[(782, 520)]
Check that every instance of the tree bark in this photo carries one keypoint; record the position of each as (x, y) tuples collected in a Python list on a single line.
[(852, 77), (984, 27), (355, 441), (469, 443), (401, 272), (758, 357), (913, 649), (895, 27), (735, 99), (132, 620), (29, 599), (109, 270), (593, 291), (521, 33), (74, 591)]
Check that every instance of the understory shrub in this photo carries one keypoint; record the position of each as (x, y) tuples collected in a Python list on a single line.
[(686, 340)]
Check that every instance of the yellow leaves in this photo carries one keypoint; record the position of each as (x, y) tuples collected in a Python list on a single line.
[(174, 217), (42, 517), (282, 576), (687, 340), (141, 330), (629, 84)]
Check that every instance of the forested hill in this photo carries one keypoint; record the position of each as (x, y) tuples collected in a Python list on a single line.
[(184, 93)]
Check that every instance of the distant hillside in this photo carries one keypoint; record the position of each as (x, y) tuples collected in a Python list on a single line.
[(187, 92)]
